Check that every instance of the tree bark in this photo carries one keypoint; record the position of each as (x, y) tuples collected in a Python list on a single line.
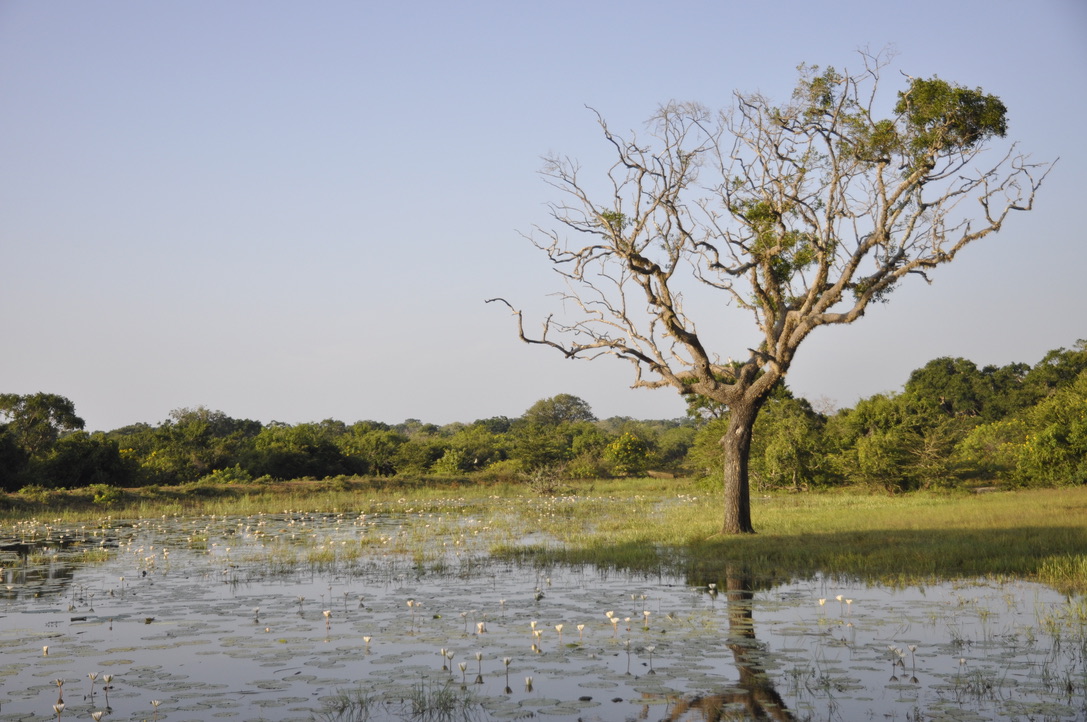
[(737, 446)]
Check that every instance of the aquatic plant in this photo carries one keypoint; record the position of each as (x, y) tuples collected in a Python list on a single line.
[(107, 685)]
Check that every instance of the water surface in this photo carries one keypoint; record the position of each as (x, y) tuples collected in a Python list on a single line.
[(275, 617)]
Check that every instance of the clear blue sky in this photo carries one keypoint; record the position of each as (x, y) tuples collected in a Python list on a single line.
[(294, 210)]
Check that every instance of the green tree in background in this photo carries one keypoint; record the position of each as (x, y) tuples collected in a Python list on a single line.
[(80, 459), (628, 455), (558, 410), (36, 421), (373, 444), (194, 442), (297, 451), (1055, 449)]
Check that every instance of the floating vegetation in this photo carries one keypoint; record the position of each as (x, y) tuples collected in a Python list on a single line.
[(283, 614)]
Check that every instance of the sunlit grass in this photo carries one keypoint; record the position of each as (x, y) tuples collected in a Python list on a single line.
[(652, 526), (1038, 535)]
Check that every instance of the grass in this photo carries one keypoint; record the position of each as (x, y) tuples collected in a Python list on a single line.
[(1036, 535), (666, 525), (427, 702)]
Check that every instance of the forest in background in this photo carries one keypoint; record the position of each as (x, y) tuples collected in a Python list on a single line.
[(952, 425)]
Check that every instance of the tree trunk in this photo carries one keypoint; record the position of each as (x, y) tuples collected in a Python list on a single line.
[(737, 445)]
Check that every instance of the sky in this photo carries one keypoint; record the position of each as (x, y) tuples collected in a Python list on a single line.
[(294, 211)]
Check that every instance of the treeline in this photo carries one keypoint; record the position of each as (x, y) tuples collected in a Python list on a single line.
[(953, 424), (43, 445)]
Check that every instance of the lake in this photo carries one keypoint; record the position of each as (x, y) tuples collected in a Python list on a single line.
[(405, 614)]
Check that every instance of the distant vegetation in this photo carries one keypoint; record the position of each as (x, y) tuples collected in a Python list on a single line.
[(953, 425)]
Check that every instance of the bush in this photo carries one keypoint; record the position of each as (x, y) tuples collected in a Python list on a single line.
[(545, 480), (628, 455), (105, 494), (586, 466), (230, 475), (38, 494), (451, 463), (505, 471)]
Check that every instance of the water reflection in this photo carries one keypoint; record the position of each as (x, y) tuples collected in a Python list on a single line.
[(754, 694), (741, 648), (37, 580)]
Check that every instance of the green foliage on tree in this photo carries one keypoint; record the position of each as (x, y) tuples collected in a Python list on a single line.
[(897, 442), (309, 450), (36, 421), (374, 445), (628, 455), (787, 447), (1054, 452), (80, 459), (558, 410)]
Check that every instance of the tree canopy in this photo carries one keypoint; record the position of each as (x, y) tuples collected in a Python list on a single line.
[(801, 214)]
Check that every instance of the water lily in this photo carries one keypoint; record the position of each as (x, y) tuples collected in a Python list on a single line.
[(107, 683)]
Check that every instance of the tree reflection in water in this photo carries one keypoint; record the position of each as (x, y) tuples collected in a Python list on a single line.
[(753, 696)]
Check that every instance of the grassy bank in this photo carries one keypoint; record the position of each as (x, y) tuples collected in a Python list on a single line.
[(1039, 535)]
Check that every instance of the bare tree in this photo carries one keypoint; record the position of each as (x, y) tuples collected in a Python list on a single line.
[(800, 214)]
